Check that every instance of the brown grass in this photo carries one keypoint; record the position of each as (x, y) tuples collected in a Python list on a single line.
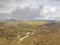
[(49, 35)]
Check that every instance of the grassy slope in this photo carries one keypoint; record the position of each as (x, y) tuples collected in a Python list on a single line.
[(49, 35)]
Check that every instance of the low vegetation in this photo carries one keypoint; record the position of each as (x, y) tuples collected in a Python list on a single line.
[(40, 33)]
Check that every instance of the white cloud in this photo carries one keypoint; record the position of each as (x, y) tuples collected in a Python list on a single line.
[(5, 10), (8, 7)]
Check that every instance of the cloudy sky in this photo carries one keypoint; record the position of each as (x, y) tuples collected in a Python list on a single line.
[(29, 9)]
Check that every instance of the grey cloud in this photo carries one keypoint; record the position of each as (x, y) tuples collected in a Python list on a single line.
[(25, 14), (18, 0), (4, 0), (3, 16), (55, 0), (21, 14), (3, 3)]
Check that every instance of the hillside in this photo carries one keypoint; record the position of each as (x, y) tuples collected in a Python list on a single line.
[(29, 33)]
